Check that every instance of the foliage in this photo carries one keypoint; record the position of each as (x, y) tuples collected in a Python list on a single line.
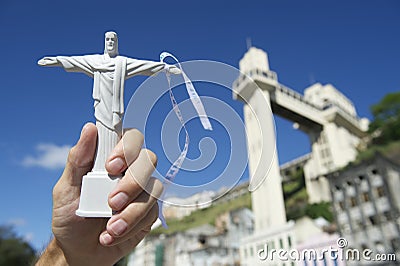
[(14, 250), (386, 119), (390, 150), (322, 209), (295, 195), (204, 216), (296, 211), (296, 184), (296, 204)]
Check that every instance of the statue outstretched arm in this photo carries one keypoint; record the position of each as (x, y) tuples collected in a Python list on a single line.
[(83, 64), (173, 69), (148, 68), (49, 61), (142, 67)]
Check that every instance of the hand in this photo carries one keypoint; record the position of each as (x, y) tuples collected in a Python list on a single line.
[(48, 61), (103, 241)]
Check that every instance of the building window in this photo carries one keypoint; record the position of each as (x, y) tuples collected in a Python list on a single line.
[(251, 252), (289, 240), (387, 215), (351, 255), (365, 196), (281, 242), (353, 201), (395, 242), (374, 219), (374, 171), (380, 191), (357, 224)]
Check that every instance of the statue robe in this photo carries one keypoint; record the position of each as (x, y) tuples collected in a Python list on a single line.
[(109, 76)]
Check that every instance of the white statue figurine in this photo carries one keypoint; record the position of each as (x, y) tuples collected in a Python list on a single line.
[(109, 71)]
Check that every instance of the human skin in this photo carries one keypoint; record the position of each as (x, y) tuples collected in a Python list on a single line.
[(103, 241)]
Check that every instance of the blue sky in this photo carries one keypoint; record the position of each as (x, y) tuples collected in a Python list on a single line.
[(352, 44)]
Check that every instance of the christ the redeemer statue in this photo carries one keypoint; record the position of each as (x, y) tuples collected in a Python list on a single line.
[(109, 71)]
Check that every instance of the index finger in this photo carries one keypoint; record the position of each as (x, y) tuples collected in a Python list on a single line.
[(125, 152)]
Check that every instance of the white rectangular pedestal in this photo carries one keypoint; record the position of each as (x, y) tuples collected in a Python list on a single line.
[(96, 186)]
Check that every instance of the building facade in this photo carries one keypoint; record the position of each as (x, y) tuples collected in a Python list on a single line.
[(327, 116), (206, 245), (366, 202), (323, 113)]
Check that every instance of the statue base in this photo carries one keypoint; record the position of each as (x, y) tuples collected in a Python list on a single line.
[(96, 186)]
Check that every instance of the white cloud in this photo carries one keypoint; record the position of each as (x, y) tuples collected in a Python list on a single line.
[(48, 156), (16, 222), (28, 237), (21, 222)]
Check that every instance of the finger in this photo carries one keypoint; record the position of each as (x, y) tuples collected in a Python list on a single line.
[(123, 222), (125, 152), (81, 156), (79, 162), (134, 181), (127, 246), (144, 225)]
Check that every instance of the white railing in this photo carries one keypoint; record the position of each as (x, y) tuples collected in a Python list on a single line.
[(258, 74)]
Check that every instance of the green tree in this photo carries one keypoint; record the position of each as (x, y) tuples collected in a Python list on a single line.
[(386, 119), (322, 209), (13, 249)]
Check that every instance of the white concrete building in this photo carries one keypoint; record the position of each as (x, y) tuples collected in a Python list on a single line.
[(205, 245), (366, 202), (180, 207), (143, 255), (325, 114), (267, 199), (316, 247)]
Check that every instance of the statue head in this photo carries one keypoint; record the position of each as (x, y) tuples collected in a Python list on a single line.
[(111, 44)]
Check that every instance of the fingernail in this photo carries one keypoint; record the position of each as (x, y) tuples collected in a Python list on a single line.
[(116, 164), (118, 227), (119, 200), (106, 239), (83, 129)]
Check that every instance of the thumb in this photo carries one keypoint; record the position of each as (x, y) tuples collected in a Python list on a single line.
[(81, 156)]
